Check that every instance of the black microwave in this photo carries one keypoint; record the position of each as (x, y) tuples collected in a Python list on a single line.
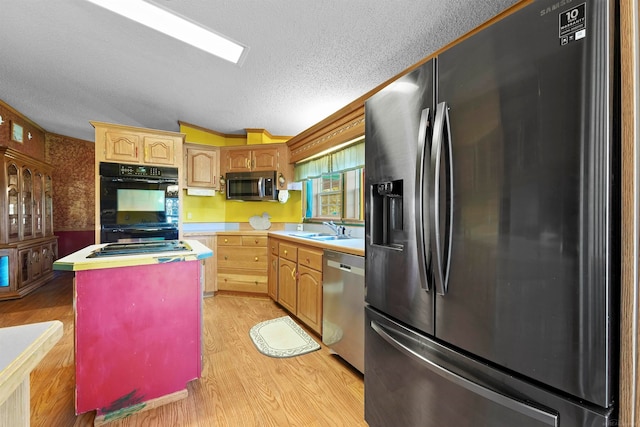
[(251, 186)]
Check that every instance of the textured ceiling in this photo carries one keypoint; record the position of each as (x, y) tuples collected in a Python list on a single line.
[(64, 63)]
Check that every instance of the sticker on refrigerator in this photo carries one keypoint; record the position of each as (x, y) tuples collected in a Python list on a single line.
[(573, 24)]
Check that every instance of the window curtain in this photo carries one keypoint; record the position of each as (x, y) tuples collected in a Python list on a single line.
[(311, 169), (348, 158)]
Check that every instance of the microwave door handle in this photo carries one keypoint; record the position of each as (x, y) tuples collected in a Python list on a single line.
[(261, 187)]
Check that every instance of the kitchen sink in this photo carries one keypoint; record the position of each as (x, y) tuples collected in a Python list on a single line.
[(322, 236)]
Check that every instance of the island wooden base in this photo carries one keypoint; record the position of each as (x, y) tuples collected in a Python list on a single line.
[(101, 420), (138, 336)]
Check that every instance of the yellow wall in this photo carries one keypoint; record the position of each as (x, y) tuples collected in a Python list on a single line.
[(217, 208)]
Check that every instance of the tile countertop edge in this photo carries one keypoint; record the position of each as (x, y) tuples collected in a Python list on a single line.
[(78, 260), (349, 246)]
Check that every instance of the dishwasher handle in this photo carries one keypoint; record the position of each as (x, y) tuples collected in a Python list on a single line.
[(346, 267)]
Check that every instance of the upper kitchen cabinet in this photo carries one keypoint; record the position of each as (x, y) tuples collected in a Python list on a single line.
[(254, 159), (202, 166), (273, 157), (126, 144), (28, 247)]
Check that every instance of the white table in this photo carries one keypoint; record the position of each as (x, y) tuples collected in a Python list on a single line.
[(21, 349)]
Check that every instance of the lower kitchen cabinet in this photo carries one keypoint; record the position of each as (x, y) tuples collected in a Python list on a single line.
[(299, 282), (242, 262), (26, 265), (272, 279)]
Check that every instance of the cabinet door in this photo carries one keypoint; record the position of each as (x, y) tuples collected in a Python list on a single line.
[(48, 207), (13, 197), (36, 262), (7, 283), (310, 298), (264, 159), (38, 202), (24, 261), (121, 146), (272, 289), (202, 168), (48, 256), (159, 151), (26, 207), (287, 285), (238, 160)]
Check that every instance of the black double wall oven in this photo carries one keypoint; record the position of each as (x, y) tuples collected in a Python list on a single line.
[(138, 203)]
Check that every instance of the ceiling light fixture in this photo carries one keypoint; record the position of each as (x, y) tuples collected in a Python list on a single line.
[(175, 26)]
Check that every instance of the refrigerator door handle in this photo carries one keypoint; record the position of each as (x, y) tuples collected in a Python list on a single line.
[(403, 343), (420, 207), (441, 250)]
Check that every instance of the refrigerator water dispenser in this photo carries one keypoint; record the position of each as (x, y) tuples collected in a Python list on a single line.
[(386, 214)]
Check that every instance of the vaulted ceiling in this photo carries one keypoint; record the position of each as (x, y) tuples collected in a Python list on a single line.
[(64, 63)]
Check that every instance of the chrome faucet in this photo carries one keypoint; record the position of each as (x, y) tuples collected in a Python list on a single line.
[(338, 229)]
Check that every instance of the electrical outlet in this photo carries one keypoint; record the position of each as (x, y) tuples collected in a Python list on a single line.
[(299, 227)]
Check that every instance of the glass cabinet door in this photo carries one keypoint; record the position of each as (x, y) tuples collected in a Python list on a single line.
[(12, 202), (37, 203), (48, 207), (27, 204)]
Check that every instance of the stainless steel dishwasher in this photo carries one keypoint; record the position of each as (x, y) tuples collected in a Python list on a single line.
[(343, 306)]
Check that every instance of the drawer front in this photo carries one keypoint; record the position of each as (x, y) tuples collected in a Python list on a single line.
[(229, 240), (240, 257), (256, 241), (288, 251), (273, 246), (240, 281), (310, 258)]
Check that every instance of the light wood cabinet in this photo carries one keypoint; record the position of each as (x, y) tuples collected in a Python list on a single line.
[(310, 287), (202, 166), (28, 247), (242, 262), (127, 144), (208, 273), (272, 279), (254, 159), (135, 148), (299, 281), (272, 157)]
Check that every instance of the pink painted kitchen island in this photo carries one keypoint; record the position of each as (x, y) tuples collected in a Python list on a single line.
[(138, 327)]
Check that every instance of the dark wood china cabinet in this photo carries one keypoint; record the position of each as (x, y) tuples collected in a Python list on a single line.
[(28, 247)]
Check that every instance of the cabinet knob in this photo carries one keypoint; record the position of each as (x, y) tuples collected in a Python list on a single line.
[(308, 261), (285, 252), (255, 259), (226, 240), (225, 257), (256, 241)]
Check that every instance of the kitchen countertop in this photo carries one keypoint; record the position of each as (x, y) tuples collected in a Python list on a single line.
[(78, 260), (23, 347), (353, 246)]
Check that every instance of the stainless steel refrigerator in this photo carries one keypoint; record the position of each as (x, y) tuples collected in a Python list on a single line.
[(492, 224)]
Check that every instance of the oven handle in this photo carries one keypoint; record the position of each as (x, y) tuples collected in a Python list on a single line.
[(146, 180)]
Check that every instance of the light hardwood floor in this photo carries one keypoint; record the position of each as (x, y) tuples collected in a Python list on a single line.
[(239, 385)]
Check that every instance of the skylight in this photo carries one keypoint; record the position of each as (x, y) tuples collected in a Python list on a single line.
[(175, 26)]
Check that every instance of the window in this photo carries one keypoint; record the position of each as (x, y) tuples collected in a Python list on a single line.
[(335, 196), (333, 185)]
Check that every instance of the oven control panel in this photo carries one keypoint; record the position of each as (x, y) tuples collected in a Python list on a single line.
[(136, 170), (119, 170)]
